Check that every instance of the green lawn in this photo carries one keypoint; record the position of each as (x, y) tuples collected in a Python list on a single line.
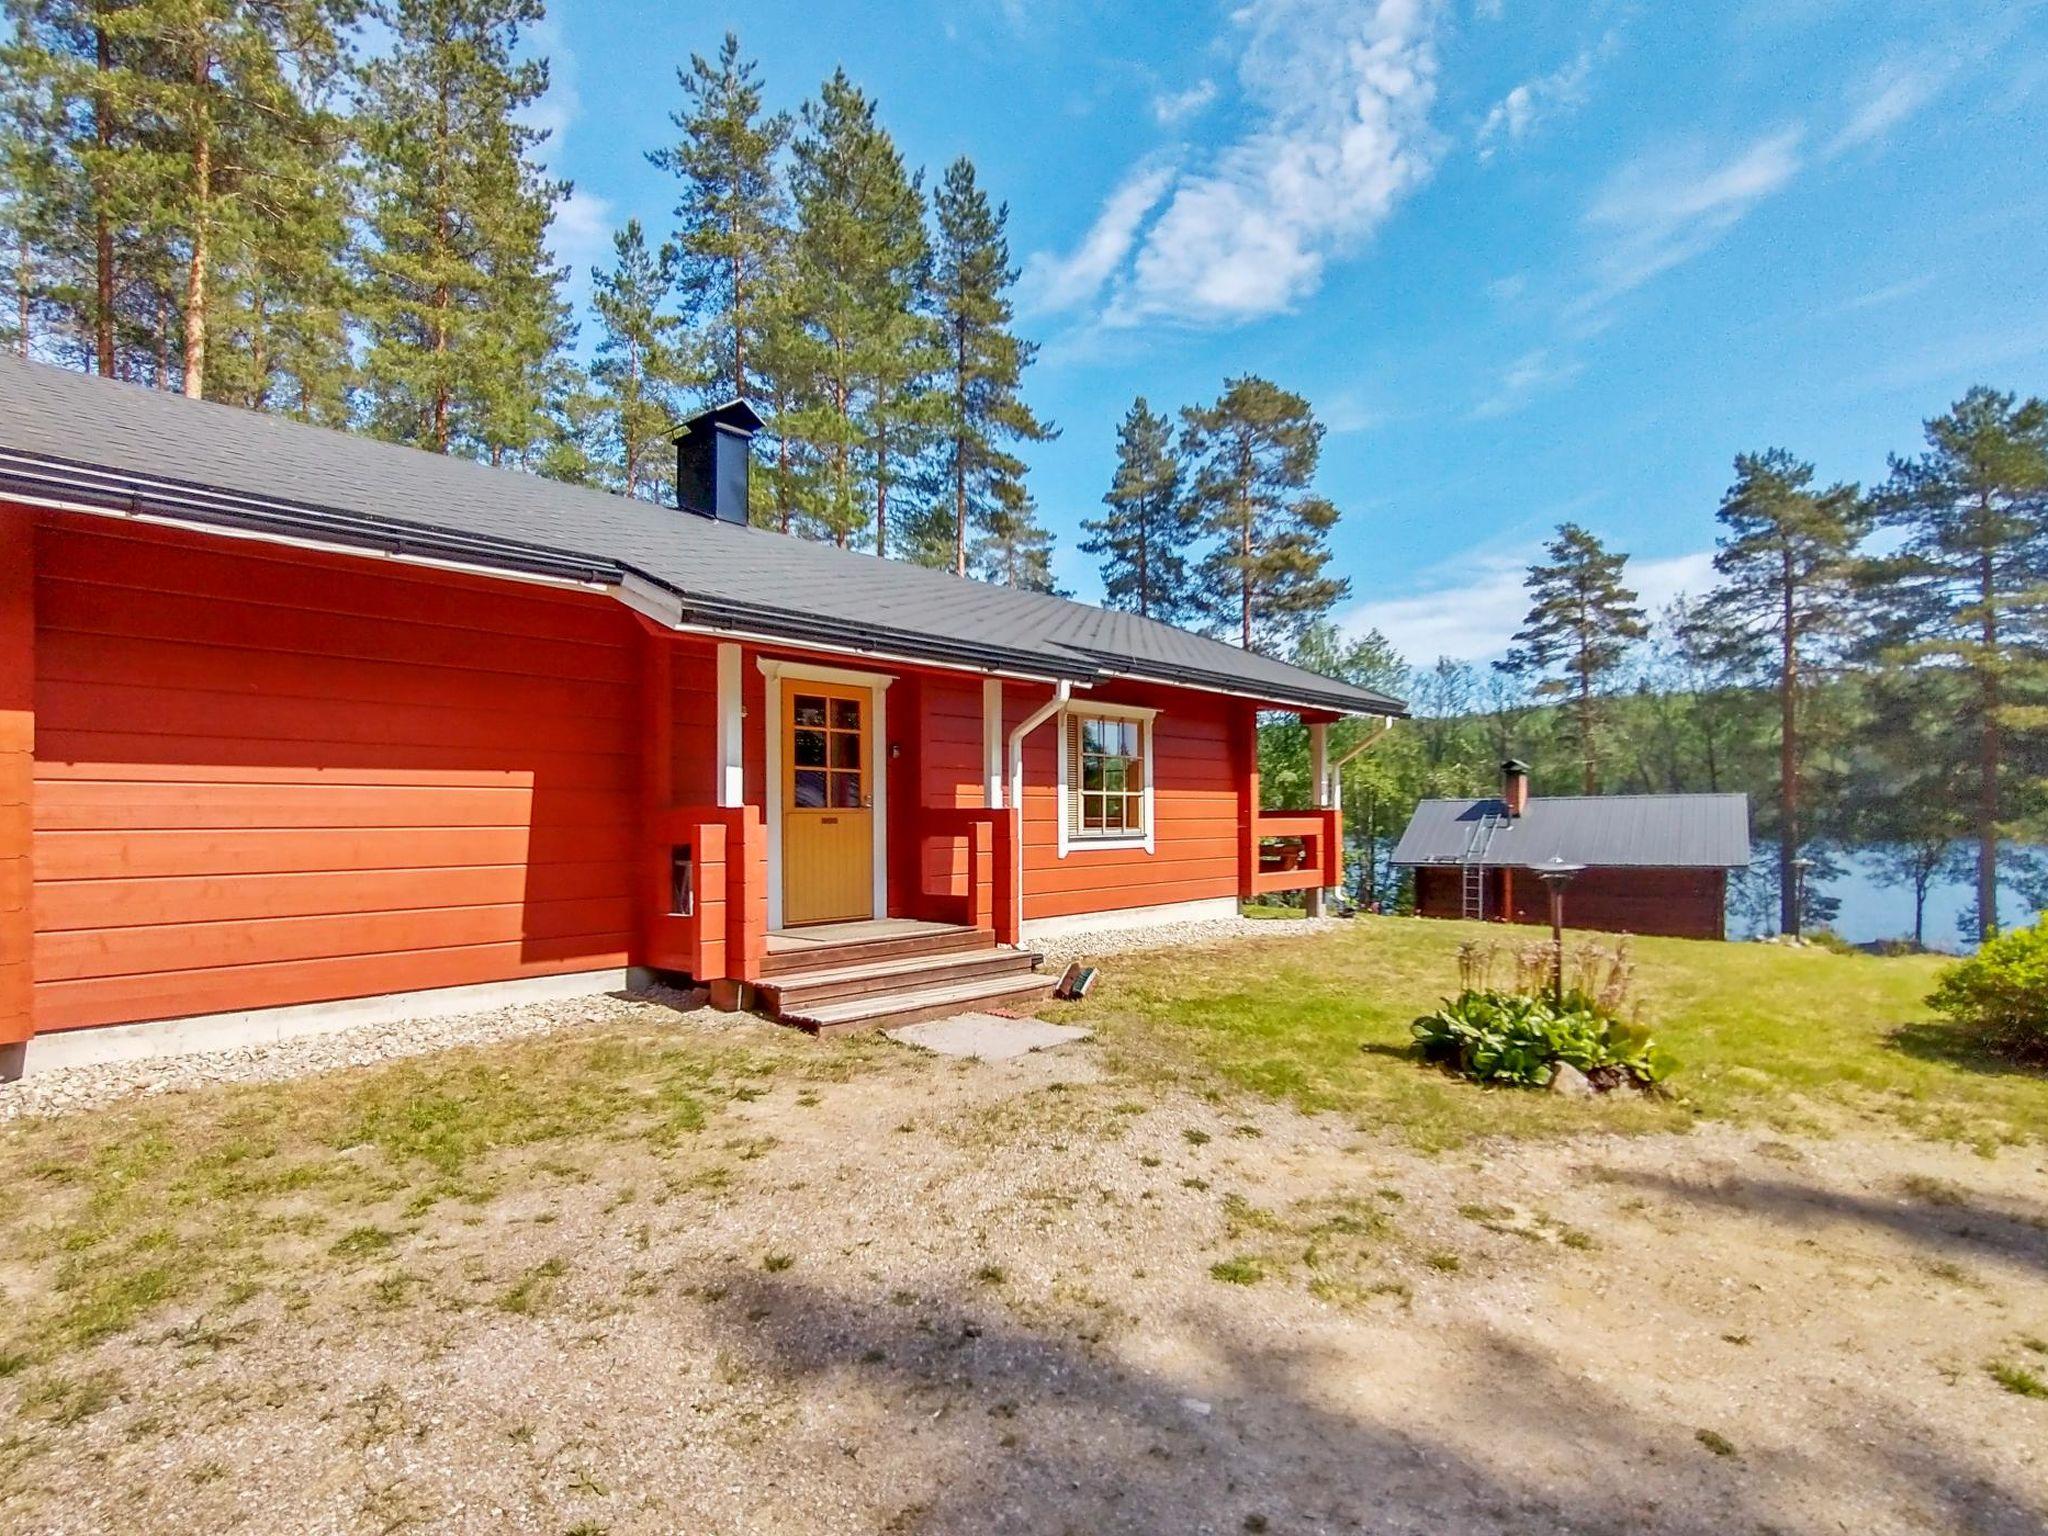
[(1803, 1039)]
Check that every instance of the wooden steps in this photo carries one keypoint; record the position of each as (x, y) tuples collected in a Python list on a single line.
[(831, 988)]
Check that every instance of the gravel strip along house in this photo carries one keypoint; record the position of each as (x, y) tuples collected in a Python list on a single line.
[(300, 730)]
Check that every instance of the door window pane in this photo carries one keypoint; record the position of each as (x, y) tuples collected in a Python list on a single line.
[(808, 709), (810, 788), (846, 714), (810, 749), (846, 791), (845, 750)]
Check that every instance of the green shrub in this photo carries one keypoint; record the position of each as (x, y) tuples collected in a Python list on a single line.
[(2000, 994), (1512, 1037)]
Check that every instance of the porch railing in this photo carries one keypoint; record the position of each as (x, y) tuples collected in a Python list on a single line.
[(1294, 851), (987, 879), (707, 896)]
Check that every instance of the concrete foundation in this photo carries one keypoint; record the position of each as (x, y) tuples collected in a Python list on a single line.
[(267, 1026)]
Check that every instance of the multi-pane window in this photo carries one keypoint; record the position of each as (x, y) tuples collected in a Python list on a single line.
[(1108, 783), (826, 752)]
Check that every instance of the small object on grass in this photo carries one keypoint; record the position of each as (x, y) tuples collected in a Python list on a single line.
[(1075, 984)]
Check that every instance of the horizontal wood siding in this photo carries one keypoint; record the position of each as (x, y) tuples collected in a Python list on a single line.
[(1195, 800), (266, 777), (950, 774), (17, 768), (1668, 903)]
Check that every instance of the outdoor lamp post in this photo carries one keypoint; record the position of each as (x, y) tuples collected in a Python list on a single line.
[(1556, 874)]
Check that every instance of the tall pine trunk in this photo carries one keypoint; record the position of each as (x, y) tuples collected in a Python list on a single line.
[(103, 227), (1987, 753), (195, 275), (1790, 918)]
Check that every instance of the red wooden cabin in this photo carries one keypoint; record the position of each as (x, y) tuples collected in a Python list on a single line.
[(1651, 864), (298, 728)]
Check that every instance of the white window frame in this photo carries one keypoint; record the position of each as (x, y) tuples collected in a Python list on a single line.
[(1072, 842)]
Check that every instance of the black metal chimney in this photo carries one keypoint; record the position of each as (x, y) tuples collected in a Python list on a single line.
[(712, 455)]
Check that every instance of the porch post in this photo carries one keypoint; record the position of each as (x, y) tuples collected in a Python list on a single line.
[(730, 790), (1319, 780), (17, 783), (992, 743)]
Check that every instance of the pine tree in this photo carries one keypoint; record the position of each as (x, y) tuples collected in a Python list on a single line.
[(640, 367), (1143, 541), (1962, 598), (861, 257), (1580, 625), (1254, 453), (1784, 607), (981, 362), (1014, 549), (463, 310), (731, 220)]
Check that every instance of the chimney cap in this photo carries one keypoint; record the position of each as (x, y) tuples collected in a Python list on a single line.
[(733, 415), (1515, 765)]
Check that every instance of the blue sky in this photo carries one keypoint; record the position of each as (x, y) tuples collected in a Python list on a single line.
[(1530, 260)]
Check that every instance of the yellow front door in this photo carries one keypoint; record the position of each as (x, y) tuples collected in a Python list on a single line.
[(828, 848)]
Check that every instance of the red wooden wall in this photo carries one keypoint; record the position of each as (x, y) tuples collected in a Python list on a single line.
[(1672, 903), (1196, 761), (17, 768), (266, 777)]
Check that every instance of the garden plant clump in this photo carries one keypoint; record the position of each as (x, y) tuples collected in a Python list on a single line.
[(2000, 994), (1520, 1034)]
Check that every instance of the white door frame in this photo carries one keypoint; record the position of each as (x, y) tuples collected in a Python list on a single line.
[(877, 684)]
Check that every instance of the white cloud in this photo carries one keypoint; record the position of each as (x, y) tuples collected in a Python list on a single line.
[(581, 235), (1518, 114), (1664, 208), (1471, 608), (1883, 100), (559, 107), (1051, 282), (1340, 94), (1523, 379), (1890, 293), (1505, 290), (1171, 107)]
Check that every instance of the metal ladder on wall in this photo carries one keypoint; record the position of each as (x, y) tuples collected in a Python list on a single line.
[(1472, 895)]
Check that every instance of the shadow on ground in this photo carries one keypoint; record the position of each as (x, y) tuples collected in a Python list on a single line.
[(2009, 1232), (1953, 1046), (996, 1427)]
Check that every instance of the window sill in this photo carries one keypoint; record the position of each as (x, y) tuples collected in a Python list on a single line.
[(1077, 844)]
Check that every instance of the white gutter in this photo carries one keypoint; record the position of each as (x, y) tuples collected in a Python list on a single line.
[(1333, 792), (1061, 693)]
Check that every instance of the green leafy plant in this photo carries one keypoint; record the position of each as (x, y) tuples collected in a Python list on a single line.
[(1512, 1037), (2000, 994)]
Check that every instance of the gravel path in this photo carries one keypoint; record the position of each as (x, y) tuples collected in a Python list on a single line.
[(69, 1089), (923, 1298), (1097, 943)]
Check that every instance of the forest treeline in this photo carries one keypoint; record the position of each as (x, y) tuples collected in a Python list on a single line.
[(340, 212), (1870, 667)]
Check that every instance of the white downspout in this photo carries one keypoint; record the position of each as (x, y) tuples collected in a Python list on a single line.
[(1061, 693)]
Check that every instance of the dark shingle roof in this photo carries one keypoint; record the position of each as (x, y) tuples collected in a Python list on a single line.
[(1649, 831), (71, 437)]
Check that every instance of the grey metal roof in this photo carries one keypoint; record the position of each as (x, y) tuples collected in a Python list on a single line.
[(68, 436), (1646, 831)]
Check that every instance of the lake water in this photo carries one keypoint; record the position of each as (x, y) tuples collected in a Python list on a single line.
[(1875, 908)]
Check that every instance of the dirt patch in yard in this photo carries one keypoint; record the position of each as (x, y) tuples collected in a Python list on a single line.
[(858, 1289)]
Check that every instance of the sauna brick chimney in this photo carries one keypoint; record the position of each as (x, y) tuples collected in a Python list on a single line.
[(1514, 786), (712, 454)]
